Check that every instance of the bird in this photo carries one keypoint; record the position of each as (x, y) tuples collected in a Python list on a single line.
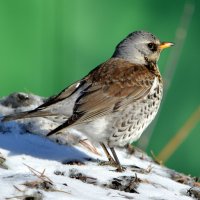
[(116, 101)]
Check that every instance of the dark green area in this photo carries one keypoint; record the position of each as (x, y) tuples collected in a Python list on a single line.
[(46, 45)]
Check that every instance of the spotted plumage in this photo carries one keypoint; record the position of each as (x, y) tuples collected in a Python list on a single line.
[(117, 100)]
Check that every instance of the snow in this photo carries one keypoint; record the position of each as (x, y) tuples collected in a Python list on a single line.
[(34, 167)]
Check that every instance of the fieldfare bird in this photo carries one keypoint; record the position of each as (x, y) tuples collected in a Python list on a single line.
[(116, 101)]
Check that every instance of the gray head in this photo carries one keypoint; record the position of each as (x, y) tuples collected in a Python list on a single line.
[(140, 47)]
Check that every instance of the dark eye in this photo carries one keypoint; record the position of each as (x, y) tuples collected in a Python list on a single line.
[(152, 46)]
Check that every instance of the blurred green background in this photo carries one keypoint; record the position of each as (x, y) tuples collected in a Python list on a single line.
[(47, 44)]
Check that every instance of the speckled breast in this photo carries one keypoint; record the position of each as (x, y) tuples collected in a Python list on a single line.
[(134, 119)]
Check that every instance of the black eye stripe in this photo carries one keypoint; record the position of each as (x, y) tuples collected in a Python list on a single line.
[(152, 46)]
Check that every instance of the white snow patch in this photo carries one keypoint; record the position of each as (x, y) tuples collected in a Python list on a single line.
[(22, 149)]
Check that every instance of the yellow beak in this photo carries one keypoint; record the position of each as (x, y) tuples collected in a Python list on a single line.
[(164, 45)]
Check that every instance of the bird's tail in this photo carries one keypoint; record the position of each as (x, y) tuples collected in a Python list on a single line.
[(59, 128), (26, 114), (70, 121)]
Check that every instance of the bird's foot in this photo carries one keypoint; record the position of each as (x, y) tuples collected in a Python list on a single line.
[(110, 162), (120, 168)]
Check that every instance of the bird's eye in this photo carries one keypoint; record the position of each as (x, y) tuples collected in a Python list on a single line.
[(152, 46)]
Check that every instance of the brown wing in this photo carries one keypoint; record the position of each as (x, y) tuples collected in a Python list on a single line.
[(110, 87), (62, 95), (114, 85)]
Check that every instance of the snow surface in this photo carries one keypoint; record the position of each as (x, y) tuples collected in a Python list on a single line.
[(32, 165)]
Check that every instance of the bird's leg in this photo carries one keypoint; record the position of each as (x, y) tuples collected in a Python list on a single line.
[(110, 158), (119, 167)]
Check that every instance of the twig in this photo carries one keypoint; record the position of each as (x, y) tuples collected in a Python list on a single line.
[(42, 177), (17, 188), (39, 175), (155, 158), (15, 197)]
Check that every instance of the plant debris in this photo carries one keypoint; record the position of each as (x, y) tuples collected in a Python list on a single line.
[(43, 182), (2, 162), (194, 192), (40, 184), (59, 173), (182, 178), (125, 183), (73, 173), (35, 196), (73, 162)]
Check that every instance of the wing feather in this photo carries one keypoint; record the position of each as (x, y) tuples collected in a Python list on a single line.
[(67, 92), (114, 85)]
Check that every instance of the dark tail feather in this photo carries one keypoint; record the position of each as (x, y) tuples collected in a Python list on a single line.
[(27, 114), (66, 124), (59, 128)]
